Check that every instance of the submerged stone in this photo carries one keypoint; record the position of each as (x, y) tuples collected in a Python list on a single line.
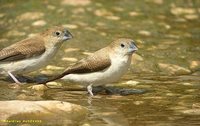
[(173, 69), (195, 65), (41, 112), (30, 16), (39, 23)]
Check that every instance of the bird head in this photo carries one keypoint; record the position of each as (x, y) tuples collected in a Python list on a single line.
[(124, 46), (56, 35)]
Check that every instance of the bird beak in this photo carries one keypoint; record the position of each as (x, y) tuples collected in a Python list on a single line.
[(132, 48), (67, 35)]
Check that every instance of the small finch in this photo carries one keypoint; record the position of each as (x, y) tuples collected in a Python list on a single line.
[(104, 66), (32, 53)]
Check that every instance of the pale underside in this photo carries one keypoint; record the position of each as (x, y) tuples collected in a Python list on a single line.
[(25, 56), (112, 73)]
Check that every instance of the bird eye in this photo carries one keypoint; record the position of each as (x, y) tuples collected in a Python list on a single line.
[(122, 45), (57, 33)]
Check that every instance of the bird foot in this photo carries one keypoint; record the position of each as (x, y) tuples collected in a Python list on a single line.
[(89, 89)]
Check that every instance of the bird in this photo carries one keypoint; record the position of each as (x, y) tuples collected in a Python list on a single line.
[(32, 53), (104, 66)]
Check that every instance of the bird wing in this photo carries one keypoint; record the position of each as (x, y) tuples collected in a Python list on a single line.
[(92, 63), (98, 61), (27, 48)]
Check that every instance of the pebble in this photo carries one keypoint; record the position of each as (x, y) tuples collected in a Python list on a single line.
[(15, 33), (30, 16), (195, 64), (173, 69), (75, 2), (70, 26), (181, 11), (51, 67), (70, 59), (68, 50), (40, 87), (39, 23), (144, 33)]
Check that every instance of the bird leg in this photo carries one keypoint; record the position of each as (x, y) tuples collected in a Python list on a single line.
[(13, 77), (89, 89)]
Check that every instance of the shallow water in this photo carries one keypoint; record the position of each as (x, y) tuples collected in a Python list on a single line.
[(167, 101), (165, 32)]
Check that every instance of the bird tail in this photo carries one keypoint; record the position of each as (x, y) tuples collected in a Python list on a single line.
[(53, 78)]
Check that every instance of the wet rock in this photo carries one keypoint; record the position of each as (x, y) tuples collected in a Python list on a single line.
[(138, 65), (181, 11), (32, 97), (196, 105), (102, 12), (30, 16), (68, 50), (91, 29), (3, 40), (15, 33), (71, 26), (163, 47), (197, 73), (47, 72), (172, 36), (78, 10), (101, 24), (39, 87), (144, 33), (54, 84), (187, 84), (2, 15), (70, 59), (51, 7), (131, 83), (195, 65), (87, 53), (46, 112), (76, 2), (137, 57), (191, 111), (51, 67), (113, 17), (159, 2), (39, 23), (191, 16), (166, 26), (118, 9), (61, 10), (143, 67), (133, 13), (169, 42), (103, 33), (138, 102), (32, 34), (173, 69)]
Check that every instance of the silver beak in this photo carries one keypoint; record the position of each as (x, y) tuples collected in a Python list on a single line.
[(67, 35), (132, 48)]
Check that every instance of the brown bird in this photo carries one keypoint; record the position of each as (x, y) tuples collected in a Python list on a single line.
[(32, 53), (104, 66)]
